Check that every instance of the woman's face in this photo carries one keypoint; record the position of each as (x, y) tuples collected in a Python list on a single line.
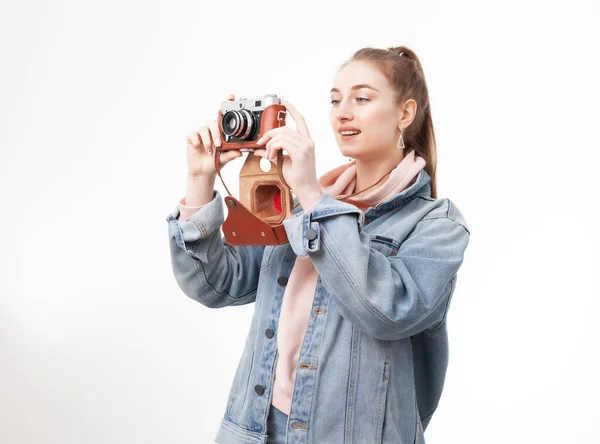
[(363, 102)]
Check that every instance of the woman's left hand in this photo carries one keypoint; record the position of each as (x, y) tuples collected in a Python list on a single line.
[(299, 168)]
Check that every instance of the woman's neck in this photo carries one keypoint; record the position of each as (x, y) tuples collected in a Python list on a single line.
[(369, 172)]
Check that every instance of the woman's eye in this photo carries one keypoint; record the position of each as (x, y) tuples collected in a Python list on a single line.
[(358, 99)]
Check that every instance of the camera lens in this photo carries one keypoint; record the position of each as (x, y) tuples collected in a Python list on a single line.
[(238, 124)]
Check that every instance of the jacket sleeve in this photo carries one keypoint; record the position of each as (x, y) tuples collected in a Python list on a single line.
[(387, 297), (205, 267)]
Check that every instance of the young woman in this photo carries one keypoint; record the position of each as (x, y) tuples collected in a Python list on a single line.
[(348, 341)]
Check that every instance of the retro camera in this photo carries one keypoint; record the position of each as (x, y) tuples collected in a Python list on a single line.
[(243, 121)]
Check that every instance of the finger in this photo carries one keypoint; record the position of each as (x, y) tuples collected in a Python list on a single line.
[(269, 147), (228, 156), (284, 157), (300, 122), (265, 137), (214, 132), (275, 131), (206, 140), (287, 139), (193, 138), (280, 145), (273, 160), (260, 152)]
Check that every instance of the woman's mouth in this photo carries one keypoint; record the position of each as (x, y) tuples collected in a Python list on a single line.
[(349, 134)]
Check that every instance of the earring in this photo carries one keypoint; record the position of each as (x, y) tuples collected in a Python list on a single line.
[(400, 143)]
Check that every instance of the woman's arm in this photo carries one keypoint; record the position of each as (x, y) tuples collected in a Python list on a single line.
[(205, 267), (386, 297)]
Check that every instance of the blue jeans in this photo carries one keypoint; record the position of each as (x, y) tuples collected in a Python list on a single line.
[(276, 426)]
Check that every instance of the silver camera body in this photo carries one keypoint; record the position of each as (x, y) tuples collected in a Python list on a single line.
[(242, 117)]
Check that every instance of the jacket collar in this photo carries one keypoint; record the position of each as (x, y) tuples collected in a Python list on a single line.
[(420, 187)]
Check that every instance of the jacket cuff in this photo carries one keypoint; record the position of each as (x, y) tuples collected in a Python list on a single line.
[(200, 225), (186, 211), (303, 230)]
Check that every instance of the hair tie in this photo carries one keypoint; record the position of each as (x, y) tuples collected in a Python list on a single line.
[(391, 48)]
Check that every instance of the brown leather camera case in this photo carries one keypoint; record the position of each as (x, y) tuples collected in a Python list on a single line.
[(254, 219)]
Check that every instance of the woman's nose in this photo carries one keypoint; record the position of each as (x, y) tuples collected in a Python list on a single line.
[(343, 112)]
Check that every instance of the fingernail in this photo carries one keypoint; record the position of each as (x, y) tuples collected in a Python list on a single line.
[(217, 142)]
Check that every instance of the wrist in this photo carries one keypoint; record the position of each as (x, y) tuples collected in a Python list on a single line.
[(308, 196), (201, 177), (199, 190)]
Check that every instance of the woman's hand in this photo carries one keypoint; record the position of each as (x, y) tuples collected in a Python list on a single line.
[(299, 168), (201, 148)]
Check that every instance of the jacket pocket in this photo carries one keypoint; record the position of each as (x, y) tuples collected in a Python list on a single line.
[(382, 402), (385, 245), (384, 382)]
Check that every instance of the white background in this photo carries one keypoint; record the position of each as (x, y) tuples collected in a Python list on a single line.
[(97, 342)]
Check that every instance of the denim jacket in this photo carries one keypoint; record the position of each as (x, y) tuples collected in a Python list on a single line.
[(373, 360)]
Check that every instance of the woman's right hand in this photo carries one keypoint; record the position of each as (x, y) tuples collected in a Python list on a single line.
[(201, 149)]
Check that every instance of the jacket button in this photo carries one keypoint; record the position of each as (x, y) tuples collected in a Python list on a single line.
[(311, 234), (269, 333), (282, 280), (259, 389)]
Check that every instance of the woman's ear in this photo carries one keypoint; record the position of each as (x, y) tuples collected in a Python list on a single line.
[(407, 113)]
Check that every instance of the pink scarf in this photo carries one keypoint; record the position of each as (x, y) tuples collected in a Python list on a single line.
[(341, 181)]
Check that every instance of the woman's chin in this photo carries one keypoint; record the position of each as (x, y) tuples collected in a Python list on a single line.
[(351, 151)]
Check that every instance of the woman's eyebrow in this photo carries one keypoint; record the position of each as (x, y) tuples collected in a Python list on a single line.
[(355, 87)]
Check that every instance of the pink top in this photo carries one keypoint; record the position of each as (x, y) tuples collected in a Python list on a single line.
[(300, 289)]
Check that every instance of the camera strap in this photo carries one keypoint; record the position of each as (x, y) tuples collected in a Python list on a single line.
[(218, 168)]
